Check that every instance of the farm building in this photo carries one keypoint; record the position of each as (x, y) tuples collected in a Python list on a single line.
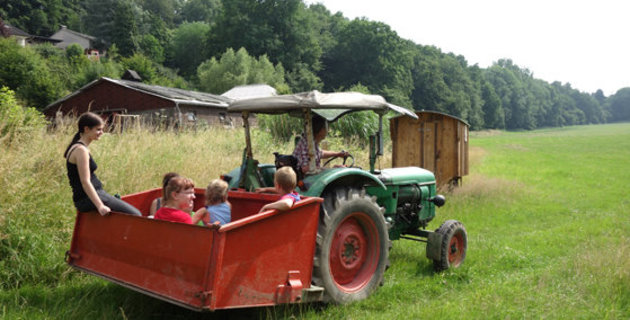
[(435, 141), (67, 37), (153, 104)]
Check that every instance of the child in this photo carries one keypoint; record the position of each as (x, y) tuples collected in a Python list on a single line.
[(217, 209), (284, 182), (157, 202), (178, 201)]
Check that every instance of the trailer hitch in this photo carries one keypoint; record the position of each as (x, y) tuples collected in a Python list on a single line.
[(291, 290), (69, 255)]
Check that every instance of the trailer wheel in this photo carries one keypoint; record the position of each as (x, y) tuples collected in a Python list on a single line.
[(453, 246), (352, 246)]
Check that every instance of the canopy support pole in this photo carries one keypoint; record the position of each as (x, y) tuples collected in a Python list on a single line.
[(310, 139)]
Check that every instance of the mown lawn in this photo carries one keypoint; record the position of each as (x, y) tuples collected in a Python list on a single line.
[(547, 214)]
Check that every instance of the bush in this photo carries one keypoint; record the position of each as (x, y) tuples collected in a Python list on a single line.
[(25, 72), (16, 121)]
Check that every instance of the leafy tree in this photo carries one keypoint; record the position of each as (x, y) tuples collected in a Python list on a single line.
[(592, 110), (238, 68), (142, 65), (165, 10), (41, 17), (74, 52), (124, 29), (279, 29), (187, 47), (600, 97), (16, 121), (25, 72), (492, 108), (153, 25), (201, 10), (301, 79), (445, 83), (151, 47), (509, 83), (97, 69), (619, 105), (373, 54), (98, 20), (114, 22)]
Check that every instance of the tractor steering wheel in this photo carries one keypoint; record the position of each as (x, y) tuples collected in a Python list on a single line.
[(344, 160)]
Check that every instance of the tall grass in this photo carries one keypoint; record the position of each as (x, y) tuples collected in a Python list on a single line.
[(546, 213)]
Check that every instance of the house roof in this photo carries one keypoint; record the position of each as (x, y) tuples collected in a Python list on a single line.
[(250, 91), (78, 34), (14, 31), (179, 96)]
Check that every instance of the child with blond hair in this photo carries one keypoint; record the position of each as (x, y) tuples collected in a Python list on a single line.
[(284, 182), (217, 209)]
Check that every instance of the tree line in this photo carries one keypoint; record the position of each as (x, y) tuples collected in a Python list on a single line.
[(213, 45)]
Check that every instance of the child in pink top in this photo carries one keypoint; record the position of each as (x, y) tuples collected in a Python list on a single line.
[(284, 182)]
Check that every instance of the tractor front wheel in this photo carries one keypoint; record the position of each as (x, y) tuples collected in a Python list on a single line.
[(352, 246), (453, 246)]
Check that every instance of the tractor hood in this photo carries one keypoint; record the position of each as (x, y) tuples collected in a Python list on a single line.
[(331, 106), (407, 175)]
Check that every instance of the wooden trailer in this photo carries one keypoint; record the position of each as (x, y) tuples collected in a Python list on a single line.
[(435, 141)]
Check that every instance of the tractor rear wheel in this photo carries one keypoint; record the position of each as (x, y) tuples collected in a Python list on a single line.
[(352, 246), (453, 246)]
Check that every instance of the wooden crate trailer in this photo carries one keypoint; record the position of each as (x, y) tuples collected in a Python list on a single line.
[(435, 141)]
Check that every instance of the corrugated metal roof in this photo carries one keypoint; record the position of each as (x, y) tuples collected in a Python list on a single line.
[(179, 96), (175, 94)]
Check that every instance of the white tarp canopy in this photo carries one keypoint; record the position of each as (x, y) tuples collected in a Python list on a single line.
[(328, 105)]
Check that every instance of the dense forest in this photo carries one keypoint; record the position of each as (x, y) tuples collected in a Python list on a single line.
[(213, 45)]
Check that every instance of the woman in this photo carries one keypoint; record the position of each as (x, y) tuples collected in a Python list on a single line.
[(179, 199), (87, 189), (320, 130)]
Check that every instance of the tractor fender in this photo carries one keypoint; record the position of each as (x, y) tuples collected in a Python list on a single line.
[(318, 183)]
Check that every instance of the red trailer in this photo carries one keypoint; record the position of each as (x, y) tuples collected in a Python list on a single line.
[(258, 259)]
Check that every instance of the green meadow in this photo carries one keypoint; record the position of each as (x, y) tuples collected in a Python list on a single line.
[(547, 214)]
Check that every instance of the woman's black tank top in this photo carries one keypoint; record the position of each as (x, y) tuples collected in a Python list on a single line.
[(75, 181)]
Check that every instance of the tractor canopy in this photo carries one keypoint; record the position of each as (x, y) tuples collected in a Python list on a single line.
[(330, 106)]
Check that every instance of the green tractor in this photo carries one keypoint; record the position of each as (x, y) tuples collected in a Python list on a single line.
[(362, 210)]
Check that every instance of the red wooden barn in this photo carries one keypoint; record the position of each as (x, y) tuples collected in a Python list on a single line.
[(110, 97)]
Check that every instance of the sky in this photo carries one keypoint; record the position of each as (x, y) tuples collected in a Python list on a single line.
[(584, 43)]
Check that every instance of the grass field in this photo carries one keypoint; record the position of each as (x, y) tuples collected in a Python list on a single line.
[(547, 214)]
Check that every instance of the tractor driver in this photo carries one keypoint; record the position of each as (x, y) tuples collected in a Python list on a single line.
[(320, 129)]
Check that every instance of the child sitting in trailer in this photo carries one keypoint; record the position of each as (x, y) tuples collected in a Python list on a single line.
[(218, 210), (157, 202), (179, 199), (284, 183)]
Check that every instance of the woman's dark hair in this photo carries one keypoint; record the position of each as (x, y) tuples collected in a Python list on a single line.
[(87, 119), (318, 123), (166, 179)]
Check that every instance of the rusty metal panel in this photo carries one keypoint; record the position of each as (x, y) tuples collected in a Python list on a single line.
[(261, 250), (167, 259)]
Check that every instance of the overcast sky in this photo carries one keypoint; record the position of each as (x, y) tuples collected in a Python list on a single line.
[(584, 43)]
